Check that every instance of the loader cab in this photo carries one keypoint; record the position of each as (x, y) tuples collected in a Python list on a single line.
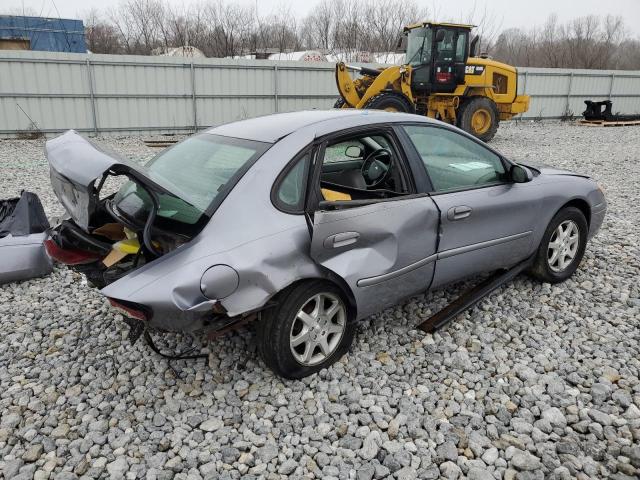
[(438, 54)]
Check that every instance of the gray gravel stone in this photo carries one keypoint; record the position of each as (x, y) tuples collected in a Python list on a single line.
[(370, 446), (288, 467), (525, 461), (212, 425), (118, 468), (555, 417), (33, 453), (447, 451)]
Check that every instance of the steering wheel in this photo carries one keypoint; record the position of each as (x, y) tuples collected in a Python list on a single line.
[(374, 170)]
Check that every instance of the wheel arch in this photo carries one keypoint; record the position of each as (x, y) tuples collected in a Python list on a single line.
[(329, 277), (390, 93), (582, 205)]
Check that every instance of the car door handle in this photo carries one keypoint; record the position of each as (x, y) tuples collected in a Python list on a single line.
[(341, 239), (459, 212)]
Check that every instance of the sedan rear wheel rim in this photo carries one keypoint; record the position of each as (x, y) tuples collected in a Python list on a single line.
[(318, 328), (563, 246)]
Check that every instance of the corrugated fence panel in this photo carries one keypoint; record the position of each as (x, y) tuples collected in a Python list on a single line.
[(104, 94)]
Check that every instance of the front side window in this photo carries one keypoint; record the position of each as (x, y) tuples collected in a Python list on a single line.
[(454, 161), (344, 152), (196, 171), (362, 167), (419, 46)]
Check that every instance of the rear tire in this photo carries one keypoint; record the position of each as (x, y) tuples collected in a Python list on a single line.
[(562, 247), (479, 117), (339, 103), (310, 329), (391, 102)]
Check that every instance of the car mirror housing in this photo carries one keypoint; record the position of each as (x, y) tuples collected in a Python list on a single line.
[(520, 174)]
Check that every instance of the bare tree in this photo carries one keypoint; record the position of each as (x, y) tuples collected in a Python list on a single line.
[(101, 37)]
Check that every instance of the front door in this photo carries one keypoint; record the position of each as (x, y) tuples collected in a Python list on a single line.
[(486, 220), (449, 57), (369, 226)]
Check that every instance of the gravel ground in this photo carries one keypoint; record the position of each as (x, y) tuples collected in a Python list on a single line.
[(537, 381)]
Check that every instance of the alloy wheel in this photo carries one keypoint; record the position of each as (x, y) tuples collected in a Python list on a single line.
[(318, 328), (563, 246)]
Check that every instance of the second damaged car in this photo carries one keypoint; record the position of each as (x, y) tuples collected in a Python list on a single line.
[(308, 222)]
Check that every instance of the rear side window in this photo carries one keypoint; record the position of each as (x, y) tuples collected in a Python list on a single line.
[(461, 47), (290, 188), (454, 161)]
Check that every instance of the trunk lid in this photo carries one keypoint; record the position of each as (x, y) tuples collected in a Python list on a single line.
[(76, 163)]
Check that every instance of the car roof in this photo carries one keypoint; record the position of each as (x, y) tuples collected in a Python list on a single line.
[(271, 128)]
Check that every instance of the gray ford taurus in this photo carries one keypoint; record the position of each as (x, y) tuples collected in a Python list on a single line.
[(306, 222)]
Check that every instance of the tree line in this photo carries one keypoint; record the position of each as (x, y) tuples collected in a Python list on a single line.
[(589, 42), (224, 28), (347, 28)]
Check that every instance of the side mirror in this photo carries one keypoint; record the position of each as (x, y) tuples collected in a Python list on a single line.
[(353, 151), (520, 174), (401, 46), (440, 35)]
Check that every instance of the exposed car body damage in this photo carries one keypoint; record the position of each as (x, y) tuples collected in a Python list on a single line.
[(23, 230), (247, 250)]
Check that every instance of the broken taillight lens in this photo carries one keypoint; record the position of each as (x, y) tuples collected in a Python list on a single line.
[(129, 310), (444, 77), (68, 256)]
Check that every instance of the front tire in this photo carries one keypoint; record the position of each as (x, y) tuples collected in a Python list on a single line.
[(562, 246), (479, 117), (310, 329), (391, 102), (339, 103)]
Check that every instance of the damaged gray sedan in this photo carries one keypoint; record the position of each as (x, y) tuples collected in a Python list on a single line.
[(307, 222)]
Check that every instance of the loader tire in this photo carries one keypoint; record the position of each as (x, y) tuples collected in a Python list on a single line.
[(339, 103), (391, 102), (479, 117)]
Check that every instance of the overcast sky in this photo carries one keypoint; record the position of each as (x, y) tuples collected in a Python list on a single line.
[(511, 13)]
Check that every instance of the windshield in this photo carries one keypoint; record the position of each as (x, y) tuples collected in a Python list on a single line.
[(197, 170), (419, 46)]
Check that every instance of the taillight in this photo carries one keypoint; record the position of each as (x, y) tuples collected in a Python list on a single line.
[(129, 310), (444, 77), (68, 256)]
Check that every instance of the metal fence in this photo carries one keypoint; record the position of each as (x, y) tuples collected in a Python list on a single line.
[(114, 94)]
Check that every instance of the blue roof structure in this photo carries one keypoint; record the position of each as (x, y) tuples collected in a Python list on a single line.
[(47, 34)]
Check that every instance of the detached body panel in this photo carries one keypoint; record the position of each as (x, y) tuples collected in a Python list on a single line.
[(23, 230)]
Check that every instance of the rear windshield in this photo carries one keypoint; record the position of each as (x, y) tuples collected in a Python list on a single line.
[(198, 171)]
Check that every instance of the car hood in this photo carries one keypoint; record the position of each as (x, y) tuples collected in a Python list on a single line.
[(76, 163)]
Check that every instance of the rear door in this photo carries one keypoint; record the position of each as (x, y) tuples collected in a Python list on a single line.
[(384, 249), (486, 220)]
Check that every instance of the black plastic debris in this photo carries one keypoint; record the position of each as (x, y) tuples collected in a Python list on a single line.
[(22, 216)]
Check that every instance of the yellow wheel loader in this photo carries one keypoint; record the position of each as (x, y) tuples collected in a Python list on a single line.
[(442, 78)]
